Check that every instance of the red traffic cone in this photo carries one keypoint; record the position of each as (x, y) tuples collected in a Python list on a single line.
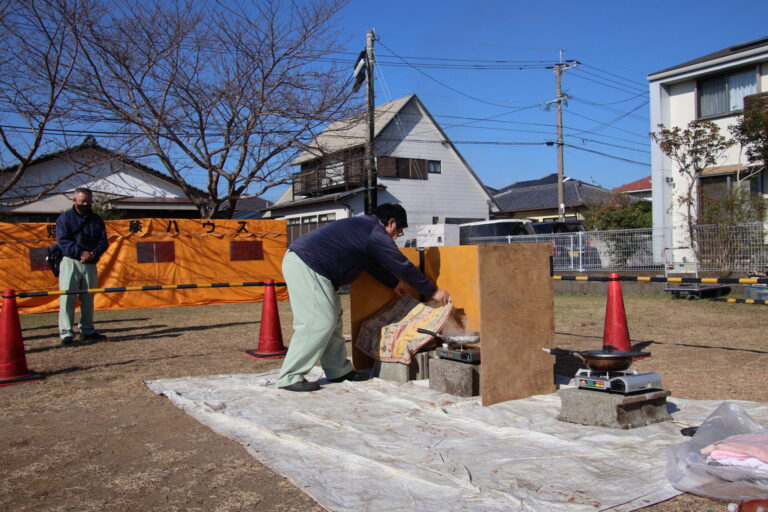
[(270, 336), (616, 332), (13, 360)]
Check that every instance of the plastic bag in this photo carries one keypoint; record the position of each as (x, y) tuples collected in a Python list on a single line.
[(688, 471)]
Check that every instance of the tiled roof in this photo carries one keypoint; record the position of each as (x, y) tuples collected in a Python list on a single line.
[(576, 193), (635, 186)]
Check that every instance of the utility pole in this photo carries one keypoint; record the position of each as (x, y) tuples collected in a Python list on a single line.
[(559, 68), (371, 188)]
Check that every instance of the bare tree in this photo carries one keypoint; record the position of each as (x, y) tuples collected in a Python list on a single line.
[(223, 94), (698, 146), (37, 58)]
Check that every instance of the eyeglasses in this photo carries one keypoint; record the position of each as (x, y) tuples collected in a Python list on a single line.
[(400, 233)]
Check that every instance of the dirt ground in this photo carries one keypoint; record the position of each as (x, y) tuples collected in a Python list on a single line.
[(93, 437)]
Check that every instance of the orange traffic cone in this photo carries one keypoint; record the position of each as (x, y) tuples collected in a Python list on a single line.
[(13, 360), (270, 336), (616, 332)]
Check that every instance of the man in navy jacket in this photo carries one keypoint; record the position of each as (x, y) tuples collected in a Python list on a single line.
[(314, 268), (82, 237)]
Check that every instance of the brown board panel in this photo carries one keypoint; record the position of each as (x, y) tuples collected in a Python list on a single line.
[(517, 311)]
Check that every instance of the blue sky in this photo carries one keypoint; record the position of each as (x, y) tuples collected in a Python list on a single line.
[(617, 42)]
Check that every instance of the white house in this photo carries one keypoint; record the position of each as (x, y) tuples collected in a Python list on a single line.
[(713, 88), (122, 183), (417, 166)]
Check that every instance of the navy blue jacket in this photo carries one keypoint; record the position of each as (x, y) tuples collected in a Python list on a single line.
[(92, 237), (345, 248)]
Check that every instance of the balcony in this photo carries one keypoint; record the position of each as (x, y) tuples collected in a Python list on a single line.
[(336, 177)]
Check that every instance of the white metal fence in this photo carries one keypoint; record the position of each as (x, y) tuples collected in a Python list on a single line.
[(723, 249)]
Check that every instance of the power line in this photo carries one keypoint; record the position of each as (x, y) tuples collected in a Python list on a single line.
[(576, 75), (619, 84), (636, 82), (613, 145), (602, 124), (645, 164), (443, 83), (548, 125), (611, 109), (588, 102)]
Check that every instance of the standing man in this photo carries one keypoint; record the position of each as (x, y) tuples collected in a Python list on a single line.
[(314, 268), (82, 237)]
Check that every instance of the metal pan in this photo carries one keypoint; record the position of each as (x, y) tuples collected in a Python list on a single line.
[(456, 340), (601, 360)]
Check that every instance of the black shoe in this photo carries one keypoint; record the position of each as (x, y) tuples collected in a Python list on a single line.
[(67, 341), (94, 336), (354, 375), (302, 385)]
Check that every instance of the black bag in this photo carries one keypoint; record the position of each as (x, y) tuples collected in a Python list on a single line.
[(54, 258)]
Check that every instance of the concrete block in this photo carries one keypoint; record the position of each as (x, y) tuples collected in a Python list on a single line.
[(600, 409), (454, 377), (418, 369)]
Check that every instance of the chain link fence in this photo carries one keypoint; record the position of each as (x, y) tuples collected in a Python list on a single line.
[(719, 249)]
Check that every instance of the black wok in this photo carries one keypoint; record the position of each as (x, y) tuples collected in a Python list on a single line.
[(601, 360)]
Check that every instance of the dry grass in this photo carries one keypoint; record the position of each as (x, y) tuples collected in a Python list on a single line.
[(92, 436)]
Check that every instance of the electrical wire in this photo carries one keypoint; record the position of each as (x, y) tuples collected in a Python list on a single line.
[(577, 75), (462, 93), (619, 84), (606, 124), (632, 81), (645, 164)]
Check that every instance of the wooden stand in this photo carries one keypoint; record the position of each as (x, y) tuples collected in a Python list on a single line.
[(507, 293)]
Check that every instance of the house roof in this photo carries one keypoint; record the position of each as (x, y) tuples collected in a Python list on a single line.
[(542, 196), (546, 180), (642, 184), (735, 50), (351, 132), (89, 142)]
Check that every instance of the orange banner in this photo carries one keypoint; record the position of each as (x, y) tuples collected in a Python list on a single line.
[(144, 252)]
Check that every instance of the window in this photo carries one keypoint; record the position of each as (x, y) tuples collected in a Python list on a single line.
[(37, 258), (245, 251), (717, 197), (725, 93), (155, 252), (758, 183), (334, 174), (433, 167), (294, 228), (298, 226), (408, 168)]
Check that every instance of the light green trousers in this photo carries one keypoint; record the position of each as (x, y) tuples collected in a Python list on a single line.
[(317, 324), (74, 275)]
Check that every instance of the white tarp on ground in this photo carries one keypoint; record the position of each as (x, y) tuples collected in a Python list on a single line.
[(379, 445)]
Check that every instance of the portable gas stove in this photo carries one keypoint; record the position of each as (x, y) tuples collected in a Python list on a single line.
[(463, 353), (625, 382)]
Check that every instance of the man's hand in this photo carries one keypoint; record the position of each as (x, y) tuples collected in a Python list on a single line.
[(400, 289), (86, 256), (442, 296)]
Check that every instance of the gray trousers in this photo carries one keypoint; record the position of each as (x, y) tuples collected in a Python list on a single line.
[(317, 324), (74, 275)]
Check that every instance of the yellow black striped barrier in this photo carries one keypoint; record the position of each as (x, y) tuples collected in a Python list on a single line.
[(649, 279), (741, 301), (146, 288)]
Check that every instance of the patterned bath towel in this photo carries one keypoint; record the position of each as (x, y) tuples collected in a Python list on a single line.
[(390, 335)]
